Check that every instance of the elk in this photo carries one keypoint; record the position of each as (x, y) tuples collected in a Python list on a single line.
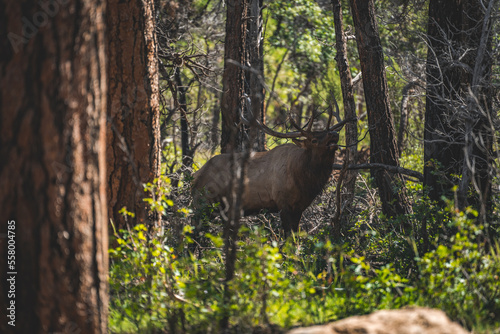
[(285, 179)]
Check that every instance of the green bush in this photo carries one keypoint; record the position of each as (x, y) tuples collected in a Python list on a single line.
[(158, 285), (462, 277)]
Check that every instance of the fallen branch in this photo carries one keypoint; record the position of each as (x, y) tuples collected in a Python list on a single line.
[(393, 169)]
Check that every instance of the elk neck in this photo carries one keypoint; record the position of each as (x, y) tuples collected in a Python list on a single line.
[(316, 167)]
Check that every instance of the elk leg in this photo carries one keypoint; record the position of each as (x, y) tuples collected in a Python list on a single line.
[(290, 220)]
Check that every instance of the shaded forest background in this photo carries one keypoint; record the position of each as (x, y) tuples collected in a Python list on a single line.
[(109, 107)]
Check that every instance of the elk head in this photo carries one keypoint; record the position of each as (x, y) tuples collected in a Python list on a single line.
[(321, 143)]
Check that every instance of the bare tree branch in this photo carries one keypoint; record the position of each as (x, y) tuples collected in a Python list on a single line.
[(390, 168)]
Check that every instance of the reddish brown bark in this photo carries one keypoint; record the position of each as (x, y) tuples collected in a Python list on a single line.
[(52, 166), (133, 106)]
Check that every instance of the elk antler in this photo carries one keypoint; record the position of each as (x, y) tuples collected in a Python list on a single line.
[(301, 132), (304, 133), (309, 124), (254, 121)]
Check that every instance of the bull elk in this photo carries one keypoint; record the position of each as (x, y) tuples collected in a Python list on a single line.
[(285, 179)]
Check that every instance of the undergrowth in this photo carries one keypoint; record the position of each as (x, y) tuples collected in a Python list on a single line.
[(158, 284)]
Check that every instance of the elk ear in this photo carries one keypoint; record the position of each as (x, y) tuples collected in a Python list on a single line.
[(299, 143)]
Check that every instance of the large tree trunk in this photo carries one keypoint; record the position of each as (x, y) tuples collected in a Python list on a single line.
[(383, 147), (52, 167), (351, 128), (232, 80), (133, 106)]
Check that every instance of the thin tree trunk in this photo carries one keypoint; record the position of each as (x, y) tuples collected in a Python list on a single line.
[(232, 79), (232, 139), (187, 155), (232, 227), (133, 108), (52, 168), (254, 79), (383, 147), (351, 128), (403, 121), (298, 111), (214, 131)]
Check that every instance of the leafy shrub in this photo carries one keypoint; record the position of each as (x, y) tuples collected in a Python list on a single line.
[(463, 276), (158, 285)]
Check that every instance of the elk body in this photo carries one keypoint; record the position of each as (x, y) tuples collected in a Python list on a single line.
[(285, 179)]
